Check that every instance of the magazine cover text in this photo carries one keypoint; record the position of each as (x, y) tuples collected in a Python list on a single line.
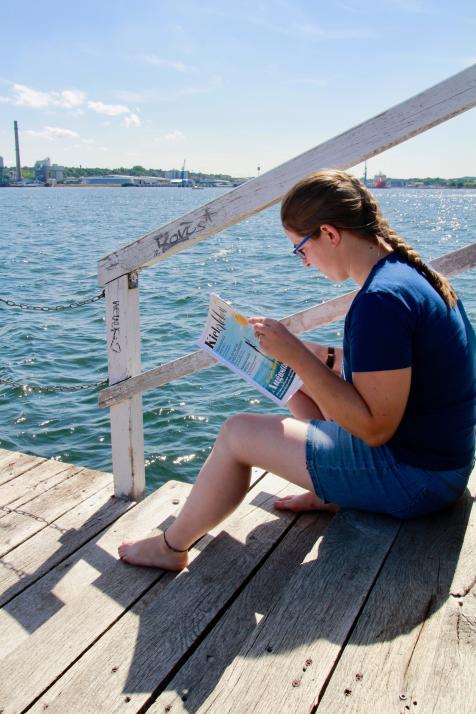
[(231, 340)]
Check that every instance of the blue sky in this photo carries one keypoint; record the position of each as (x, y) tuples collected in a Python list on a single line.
[(227, 85)]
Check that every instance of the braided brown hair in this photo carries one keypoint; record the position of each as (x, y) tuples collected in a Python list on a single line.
[(335, 197)]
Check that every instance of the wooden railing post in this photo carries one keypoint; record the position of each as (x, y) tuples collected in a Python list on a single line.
[(123, 346)]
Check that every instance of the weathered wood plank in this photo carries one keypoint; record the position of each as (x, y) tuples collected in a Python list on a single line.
[(23, 522), (160, 629), (409, 118), (7, 456), (14, 463), (36, 480), (123, 350), (28, 562), (303, 321), (440, 677), (414, 646), (198, 677), (38, 555), (50, 624), (308, 626)]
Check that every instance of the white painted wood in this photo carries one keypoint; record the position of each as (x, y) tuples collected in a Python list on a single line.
[(403, 121), (123, 346), (309, 319)]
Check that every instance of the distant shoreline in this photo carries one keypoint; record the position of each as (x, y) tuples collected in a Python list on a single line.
[(111, 185)]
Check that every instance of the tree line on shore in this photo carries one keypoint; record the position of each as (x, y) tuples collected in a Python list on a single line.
[(78, 171)]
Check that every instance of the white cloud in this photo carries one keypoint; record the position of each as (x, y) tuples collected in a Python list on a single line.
[(174, 135), (54, 132), (111, 110), (24, 96), (132, 120), (177, 65), (73, 98), (27, 97)]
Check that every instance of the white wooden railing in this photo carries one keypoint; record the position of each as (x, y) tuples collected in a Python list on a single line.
[(118, 272)]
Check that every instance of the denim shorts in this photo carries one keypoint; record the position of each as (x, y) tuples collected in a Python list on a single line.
[(345, 471)]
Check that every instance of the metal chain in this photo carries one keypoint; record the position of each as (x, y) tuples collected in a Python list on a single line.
[(56, 308), (52, 388)]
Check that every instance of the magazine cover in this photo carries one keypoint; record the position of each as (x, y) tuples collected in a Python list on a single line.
[(231, 340)]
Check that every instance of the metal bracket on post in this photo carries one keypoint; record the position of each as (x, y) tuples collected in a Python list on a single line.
[(133, 280)]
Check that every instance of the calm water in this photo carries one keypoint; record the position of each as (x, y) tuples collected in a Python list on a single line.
[(52, 239)]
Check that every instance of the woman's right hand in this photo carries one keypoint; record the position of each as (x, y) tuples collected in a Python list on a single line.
[(275, 339)]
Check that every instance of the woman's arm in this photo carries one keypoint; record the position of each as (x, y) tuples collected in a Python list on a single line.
[(321, 351), (302, 405), (371, 408)]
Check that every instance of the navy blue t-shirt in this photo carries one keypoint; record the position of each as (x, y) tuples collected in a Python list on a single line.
[(397, 320)]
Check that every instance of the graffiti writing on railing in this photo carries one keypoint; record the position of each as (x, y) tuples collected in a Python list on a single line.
[(115, 330), (187, 229)]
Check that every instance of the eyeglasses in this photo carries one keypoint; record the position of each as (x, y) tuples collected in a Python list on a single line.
[(298, 251)]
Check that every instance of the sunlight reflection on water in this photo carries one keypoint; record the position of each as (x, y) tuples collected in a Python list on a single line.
[(55, 238)]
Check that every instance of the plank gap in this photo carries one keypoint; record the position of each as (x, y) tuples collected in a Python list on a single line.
[(353, 626), (212, 624), (111, 624), (47, 523), (67, 555)]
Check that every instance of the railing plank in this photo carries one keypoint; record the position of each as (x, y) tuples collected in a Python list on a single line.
[(316, 316), (407, 119)]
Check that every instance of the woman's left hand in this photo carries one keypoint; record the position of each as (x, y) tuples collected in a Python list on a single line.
[(275, 339)]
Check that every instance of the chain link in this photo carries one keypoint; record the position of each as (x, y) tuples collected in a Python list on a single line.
[(52, 388), (56, 308)]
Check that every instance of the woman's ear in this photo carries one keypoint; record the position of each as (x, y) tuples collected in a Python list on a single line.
[(332, 232)]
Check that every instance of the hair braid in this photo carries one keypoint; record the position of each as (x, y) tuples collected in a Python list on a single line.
[(407, 251)]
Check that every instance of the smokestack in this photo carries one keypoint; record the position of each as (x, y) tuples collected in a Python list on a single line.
[(17, 150)]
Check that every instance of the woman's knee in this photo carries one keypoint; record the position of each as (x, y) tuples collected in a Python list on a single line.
[(236, 432)]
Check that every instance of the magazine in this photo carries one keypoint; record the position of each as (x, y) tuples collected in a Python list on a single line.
[(231, 340)]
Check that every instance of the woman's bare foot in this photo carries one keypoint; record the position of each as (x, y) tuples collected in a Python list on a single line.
[(152, 553), (305, 502)]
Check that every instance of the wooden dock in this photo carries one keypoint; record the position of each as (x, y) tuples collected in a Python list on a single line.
[(276, 612)]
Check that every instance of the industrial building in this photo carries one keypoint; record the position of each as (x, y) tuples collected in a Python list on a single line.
[(120, 180), (46, 172)]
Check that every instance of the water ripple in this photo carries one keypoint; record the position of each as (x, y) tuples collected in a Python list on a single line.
[(55, 238)]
